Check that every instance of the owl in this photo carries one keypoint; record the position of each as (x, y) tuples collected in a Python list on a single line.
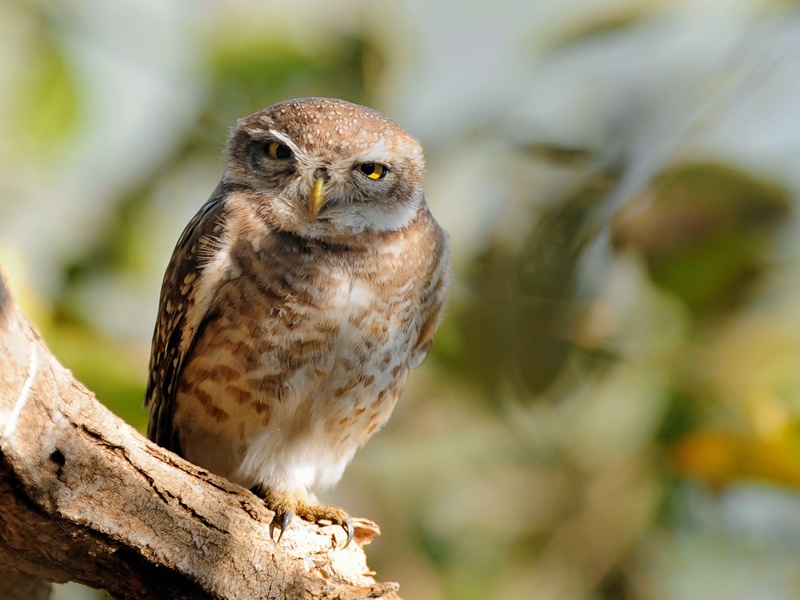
[(296, 301)]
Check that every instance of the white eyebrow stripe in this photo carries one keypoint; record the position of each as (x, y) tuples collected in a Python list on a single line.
[(285, 139), (376, 153)]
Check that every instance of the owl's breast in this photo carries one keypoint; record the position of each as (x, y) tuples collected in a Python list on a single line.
[(334, 360), (367, 331)]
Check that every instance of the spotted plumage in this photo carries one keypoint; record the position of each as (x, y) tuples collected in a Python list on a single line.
[(296, 301)]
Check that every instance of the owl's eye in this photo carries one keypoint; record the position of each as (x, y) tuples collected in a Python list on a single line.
[(278, 151), (373, 170)]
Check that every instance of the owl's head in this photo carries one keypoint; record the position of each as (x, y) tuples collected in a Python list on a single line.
[(323, 167)]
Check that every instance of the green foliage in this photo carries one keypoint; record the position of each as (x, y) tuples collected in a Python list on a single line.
[(47, 108), (707, 233), (252, 71), (515, 324)]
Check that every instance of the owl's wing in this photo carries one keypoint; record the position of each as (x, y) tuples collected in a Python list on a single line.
[(186, 295), (433, 298)]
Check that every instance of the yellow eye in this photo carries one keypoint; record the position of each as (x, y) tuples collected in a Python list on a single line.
[(373, 170), (278, 151)]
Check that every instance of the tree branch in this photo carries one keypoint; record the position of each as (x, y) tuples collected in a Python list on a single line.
[(84, 497)]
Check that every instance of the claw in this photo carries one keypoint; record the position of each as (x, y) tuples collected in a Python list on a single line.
[(284, 519), (348, 527)]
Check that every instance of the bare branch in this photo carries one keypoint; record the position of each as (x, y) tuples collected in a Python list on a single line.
[(86, 498)]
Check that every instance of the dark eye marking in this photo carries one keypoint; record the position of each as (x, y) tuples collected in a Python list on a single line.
[(278, 151), (373, 170)]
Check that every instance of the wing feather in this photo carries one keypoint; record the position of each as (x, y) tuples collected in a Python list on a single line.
[(433, 298), (186, 295)]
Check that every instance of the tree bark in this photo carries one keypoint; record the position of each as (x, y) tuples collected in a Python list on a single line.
[(86, 498)]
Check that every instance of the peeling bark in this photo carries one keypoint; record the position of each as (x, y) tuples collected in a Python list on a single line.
[(86, 498)]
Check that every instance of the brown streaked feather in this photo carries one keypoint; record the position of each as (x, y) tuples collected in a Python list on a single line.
[(284, 340), (433, 297), (174, 331)]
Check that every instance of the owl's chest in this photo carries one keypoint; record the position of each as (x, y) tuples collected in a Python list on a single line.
[(358, 312), (331, 313)]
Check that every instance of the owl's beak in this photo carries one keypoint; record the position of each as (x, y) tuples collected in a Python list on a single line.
[(317, 199)]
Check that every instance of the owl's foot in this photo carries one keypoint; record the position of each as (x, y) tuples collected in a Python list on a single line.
[(316, 513), (286, 505)]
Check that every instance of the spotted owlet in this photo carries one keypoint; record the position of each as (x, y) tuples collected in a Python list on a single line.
[(296, 301)]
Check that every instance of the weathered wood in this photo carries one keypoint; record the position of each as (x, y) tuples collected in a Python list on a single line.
[(84, 497)]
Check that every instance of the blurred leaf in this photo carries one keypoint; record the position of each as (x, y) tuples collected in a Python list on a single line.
[(120, 246), (683, 415), (720, 457), (706, 231), (515, 329), (598, 26), (561, 155), (46, 104), (251, 72)]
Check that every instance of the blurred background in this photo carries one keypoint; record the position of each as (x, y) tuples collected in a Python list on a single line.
[(612, 406)]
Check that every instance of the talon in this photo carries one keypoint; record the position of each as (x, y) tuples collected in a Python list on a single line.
[(348, 527), (285, 518)]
